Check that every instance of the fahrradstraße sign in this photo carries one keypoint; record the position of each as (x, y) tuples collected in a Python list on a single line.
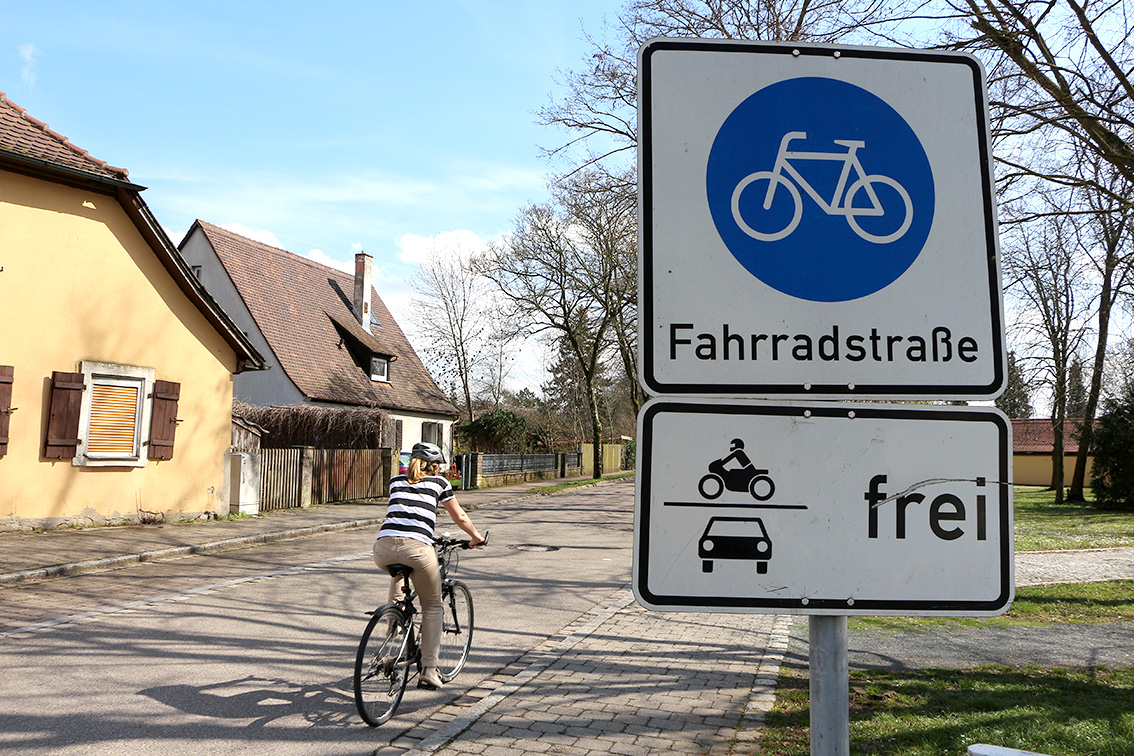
[(817, 222)]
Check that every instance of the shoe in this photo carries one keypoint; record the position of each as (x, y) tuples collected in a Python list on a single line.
[(429, 679)]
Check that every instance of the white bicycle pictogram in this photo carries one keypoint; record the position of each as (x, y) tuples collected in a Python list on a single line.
[(840, 204)]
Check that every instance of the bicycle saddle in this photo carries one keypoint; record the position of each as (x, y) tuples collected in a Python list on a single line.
[(399, 570)]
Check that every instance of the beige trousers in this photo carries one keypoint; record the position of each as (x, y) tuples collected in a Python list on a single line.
[(426, 579)]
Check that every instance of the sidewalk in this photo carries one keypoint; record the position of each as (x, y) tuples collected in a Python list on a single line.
[(72, 551)]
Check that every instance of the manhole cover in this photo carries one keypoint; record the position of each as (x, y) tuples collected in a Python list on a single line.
[(531, 547)]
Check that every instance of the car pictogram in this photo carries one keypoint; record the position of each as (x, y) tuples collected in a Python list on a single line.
[(735, 538)]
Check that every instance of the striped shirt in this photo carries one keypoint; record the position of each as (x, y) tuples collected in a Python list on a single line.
[(412, 511)]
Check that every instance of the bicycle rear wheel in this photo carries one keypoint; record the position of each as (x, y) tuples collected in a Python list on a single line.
[(382, 666), (456, 629)]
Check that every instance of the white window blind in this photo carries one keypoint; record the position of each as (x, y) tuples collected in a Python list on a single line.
[(113, 429)]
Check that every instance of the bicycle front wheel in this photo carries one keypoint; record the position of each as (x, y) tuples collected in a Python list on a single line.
[(456, 629), (382, 666), (775, 219)]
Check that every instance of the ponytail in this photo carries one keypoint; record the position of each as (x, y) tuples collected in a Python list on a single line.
[(418, 469)]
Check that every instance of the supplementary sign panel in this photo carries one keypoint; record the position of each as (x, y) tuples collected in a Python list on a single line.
[(816, 222), (817, 508)]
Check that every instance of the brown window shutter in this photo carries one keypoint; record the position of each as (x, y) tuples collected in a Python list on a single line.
[(163, 422), (7, 372), (63, 416)]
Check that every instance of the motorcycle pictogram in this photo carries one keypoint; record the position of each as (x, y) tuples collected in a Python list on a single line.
[(745, 477)]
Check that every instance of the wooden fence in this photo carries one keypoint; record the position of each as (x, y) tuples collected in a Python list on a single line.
[(348, 474), (300, 477)]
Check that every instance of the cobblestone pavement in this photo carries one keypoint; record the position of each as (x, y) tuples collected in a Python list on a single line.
[(622, 680)]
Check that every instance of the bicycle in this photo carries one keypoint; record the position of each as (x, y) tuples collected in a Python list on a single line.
[(389, 654), (840, 203)]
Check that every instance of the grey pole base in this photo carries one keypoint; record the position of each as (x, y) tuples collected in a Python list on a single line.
[(829, 686)]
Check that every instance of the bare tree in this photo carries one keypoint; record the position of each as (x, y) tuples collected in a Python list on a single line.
[(1109, 244), (464, 343), (607, 218), (1063, 98), (1069, 73), (1046, 274), (599, 109), (560, 272)]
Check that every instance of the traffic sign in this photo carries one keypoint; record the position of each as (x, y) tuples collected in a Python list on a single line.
[(816, 222), (746, 506)]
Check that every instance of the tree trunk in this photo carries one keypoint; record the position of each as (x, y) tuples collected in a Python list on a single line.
[(1057, 457), (1078, 480), (596, 432)]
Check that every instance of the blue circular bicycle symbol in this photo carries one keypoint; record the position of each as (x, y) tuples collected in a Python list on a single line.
[(820, 189)]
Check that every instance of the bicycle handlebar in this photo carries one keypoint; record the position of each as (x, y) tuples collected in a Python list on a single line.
[(445, 541)]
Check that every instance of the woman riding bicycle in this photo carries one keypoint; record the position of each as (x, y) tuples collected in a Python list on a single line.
[(406, 537)]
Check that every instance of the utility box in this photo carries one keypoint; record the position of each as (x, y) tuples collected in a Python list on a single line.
[(244, 483)]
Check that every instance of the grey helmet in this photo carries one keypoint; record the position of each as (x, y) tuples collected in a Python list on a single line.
[(429, 452)]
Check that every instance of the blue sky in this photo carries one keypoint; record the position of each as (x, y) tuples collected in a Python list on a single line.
[(321, 129)]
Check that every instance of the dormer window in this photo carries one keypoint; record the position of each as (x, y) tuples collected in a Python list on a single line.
[(374, 321), (379, 369)]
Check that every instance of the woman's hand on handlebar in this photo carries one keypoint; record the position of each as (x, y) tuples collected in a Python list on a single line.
[(476, 543)]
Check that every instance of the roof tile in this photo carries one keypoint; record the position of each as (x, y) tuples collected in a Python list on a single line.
[(24, 135), (1037, 436), (304, 310)]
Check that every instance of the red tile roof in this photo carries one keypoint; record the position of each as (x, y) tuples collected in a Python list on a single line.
[(1037, 436), (304, 311), (23, 135)]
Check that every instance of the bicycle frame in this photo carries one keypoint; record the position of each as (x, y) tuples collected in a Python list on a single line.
[(850, 161)]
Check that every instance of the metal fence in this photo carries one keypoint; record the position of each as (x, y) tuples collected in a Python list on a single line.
[(495, 464)]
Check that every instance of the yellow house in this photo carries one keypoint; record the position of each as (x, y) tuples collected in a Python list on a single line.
[(115, 364), (1033, 444)]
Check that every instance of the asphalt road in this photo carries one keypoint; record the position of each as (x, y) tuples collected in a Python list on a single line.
[(251, 651)]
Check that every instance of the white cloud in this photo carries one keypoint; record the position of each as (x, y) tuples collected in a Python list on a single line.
[(28, 53), (460, 244)]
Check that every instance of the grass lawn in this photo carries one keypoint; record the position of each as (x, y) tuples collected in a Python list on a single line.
[(1086, 712), (1042, 526), (942, 712), (1111, 601), (580, 483)]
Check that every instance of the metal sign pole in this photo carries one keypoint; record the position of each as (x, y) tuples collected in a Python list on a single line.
[(829, 685)]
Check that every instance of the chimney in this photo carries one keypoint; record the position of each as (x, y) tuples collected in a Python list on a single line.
[(362, 268)]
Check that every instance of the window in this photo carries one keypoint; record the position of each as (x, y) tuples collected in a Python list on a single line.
[(379, 369), (433, 433), (111, 415)]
